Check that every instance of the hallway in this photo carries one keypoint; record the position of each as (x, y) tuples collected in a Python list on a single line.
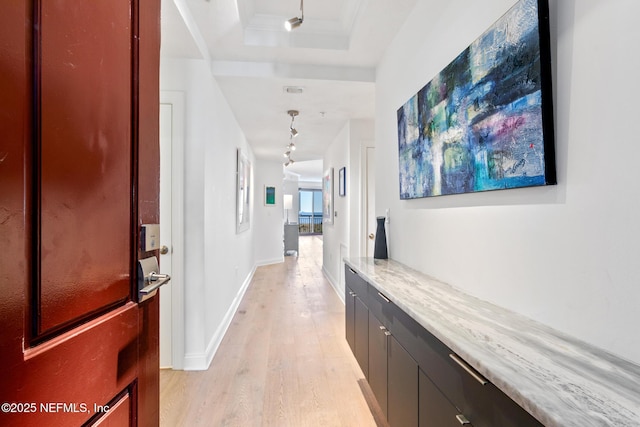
[(283, 362)]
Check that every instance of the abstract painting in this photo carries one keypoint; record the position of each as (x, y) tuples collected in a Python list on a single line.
[(269, 195), (485, 122)]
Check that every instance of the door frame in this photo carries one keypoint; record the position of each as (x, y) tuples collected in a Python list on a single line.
[(176, 99), (364, 195)]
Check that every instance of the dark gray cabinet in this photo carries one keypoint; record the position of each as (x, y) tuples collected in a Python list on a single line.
[(402, 387), (350, 317), (416, 379), (378, 350), (362, 336), (357, 319), (392, 376)]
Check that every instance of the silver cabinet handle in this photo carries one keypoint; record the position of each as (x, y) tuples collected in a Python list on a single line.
[(482, 380), (383, 297), (462, 419), (385, 330)]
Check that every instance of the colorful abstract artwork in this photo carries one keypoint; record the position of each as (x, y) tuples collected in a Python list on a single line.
[(485, 122)]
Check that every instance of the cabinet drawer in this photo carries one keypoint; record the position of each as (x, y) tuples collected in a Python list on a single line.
[(381, 306), (482, 403), (435, 410), (356, 283)]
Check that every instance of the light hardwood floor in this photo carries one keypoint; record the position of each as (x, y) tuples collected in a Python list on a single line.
[(283, 362)]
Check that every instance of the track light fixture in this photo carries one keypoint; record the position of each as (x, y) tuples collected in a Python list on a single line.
[(294, 23), (292, 132)]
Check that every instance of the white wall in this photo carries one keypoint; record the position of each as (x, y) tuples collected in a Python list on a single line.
[(218, 262), (268, 220), (566, 255), (341, 238)]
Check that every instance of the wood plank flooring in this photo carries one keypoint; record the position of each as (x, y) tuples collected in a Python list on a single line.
[(283, 362)]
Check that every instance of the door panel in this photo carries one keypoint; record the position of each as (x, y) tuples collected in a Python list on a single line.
[(77, 370), (85, 161), (362, 335), (402, 394), (117, 415), (378, 351), (80, 114)]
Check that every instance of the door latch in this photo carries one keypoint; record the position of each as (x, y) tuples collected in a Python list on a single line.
[(149, 280)]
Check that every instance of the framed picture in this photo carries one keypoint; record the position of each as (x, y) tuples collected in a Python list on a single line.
[(327, 196), (243, 192), (269, 196), (485, 122), (342, 189)]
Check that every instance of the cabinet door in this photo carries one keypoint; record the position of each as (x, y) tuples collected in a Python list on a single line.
[(435, 410), (357, 318), (362, 335), (350, 318), (378, 361), (402, 390)]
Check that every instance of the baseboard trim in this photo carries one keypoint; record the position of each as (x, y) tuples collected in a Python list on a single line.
[(270, 261), (202, 361), (333, 284)]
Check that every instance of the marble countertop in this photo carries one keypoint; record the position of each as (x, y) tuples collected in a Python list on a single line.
[(558, 379)]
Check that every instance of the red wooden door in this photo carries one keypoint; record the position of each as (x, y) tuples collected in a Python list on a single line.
[(79, 168)]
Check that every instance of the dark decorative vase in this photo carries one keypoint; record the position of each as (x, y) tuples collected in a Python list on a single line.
[(380, 246)]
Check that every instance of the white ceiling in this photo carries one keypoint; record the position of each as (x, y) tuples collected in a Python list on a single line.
[(332, 56)]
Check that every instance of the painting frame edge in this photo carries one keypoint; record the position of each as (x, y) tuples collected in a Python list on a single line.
[(327, 196)]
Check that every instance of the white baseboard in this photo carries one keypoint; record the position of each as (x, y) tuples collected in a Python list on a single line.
[(270, 261), (333, 283), (202, 361)]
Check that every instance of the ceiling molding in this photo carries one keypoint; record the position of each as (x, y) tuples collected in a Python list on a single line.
[(293, 71), (193, 28), (315, 33), (268, 31)]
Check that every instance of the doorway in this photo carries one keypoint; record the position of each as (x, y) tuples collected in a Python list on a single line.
[(310, 211), (171, 226), (369, 200)]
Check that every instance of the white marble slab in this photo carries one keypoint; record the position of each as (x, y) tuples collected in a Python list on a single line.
[(558, 379)]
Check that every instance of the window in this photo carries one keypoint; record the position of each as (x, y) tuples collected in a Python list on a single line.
[(310, 213)]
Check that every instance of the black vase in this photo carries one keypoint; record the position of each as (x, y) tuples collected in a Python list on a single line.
[(380, 246)]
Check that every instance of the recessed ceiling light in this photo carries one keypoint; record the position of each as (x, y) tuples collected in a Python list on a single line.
[(293, 89)]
